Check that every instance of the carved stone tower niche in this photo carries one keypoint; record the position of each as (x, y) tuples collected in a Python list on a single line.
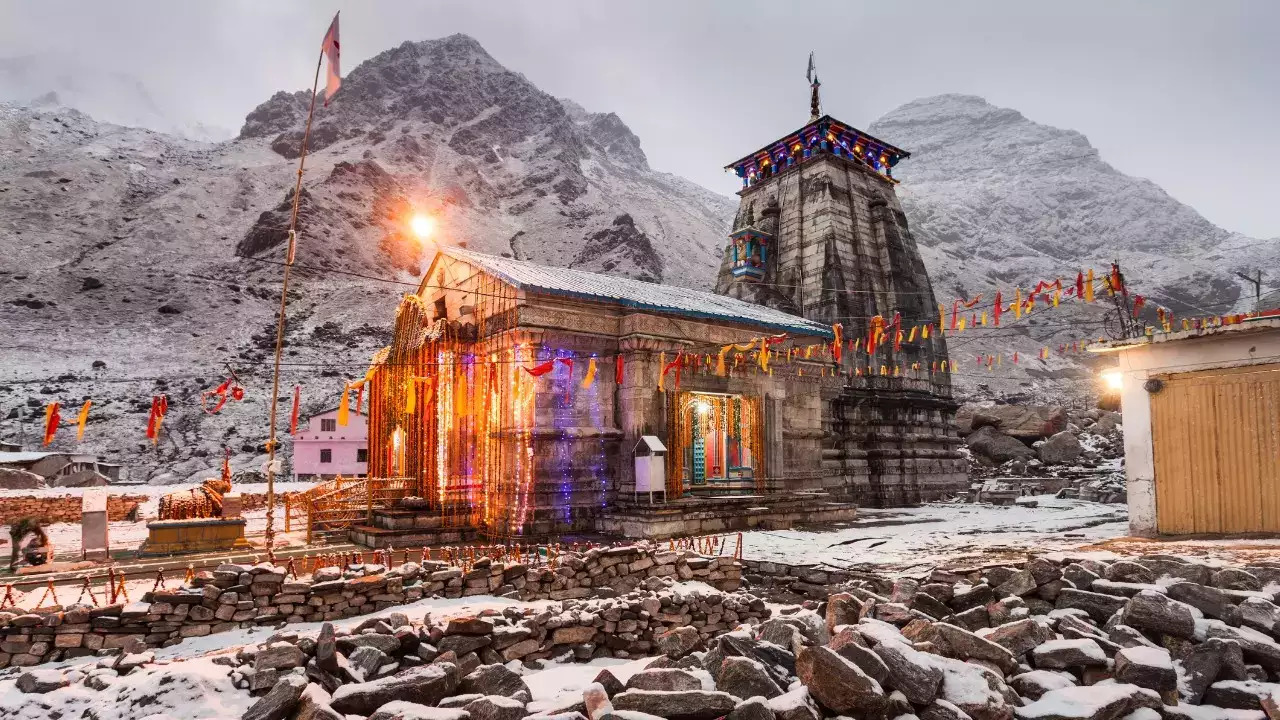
[(834, 246)]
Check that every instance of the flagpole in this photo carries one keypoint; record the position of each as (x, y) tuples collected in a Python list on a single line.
[(284, 298)]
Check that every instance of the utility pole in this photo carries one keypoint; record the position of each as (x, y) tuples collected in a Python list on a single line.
[(1256, 281)]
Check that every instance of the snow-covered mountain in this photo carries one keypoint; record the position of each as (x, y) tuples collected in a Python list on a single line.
[(138, 263), (55, 81), (996, 200)]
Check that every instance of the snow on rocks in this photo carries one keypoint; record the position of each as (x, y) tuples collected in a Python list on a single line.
[(941, 646)]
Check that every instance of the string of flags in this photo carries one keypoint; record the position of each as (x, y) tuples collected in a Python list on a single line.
[(762, 354)]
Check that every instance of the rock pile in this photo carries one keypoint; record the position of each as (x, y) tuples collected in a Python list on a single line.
[(1031, 437), (1148, 638), (1144, 638), (234, 596)]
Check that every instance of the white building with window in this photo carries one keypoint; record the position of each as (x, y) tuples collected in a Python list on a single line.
[(323, 449)]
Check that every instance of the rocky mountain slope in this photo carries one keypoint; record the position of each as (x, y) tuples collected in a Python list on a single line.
[(995, 200), (139, 263), (55, 81)]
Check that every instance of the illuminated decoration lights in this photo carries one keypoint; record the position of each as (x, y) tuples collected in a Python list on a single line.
[(823, 136)]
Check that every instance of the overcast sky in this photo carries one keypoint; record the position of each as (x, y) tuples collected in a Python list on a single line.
[(1184, 93)]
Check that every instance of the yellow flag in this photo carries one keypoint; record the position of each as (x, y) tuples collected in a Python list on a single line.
[(1088, 286), (1057, 296), (662, 365), (84, 416), (962, 323), (911, 337), (720, 370), (1017, 304), (410, 396), (924, 334), (591, 373), (342, 408), (942, 316), (984, 318)]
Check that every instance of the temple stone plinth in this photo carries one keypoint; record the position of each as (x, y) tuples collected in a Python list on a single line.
[(167, 537)]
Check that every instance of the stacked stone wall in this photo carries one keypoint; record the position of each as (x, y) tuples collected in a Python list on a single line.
[(63, 508), (235, 596)]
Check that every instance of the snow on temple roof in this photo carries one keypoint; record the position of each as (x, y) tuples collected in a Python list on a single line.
[(636, 293)]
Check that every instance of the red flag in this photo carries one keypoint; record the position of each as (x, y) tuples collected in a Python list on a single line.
[(998, 309), (617, 370), (333, 76), (52, 419), (1080, 285), (293, 414), (540, 370)]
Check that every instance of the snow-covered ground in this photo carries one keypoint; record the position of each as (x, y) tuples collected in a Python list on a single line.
[(938, 532), (129, 534)]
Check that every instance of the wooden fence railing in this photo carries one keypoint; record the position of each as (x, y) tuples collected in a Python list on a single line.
[(338, 504)]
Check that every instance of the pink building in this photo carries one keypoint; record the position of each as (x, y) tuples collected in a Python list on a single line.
[(323, 449)]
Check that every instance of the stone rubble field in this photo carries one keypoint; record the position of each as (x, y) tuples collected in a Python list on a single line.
[(1146, 638)]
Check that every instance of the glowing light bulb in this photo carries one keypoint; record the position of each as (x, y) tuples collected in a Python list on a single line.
[(1113, 379), (423, 226)]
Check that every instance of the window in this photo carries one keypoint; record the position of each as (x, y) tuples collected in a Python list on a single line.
[(442, 310), (326, 455), (328, 425), (362, 455)]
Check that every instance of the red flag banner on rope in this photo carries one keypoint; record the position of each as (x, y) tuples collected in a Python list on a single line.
[(333, 75), (51, 421), (293, 414)]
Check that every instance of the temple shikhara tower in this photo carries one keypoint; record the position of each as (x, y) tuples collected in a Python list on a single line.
[(820, 234)]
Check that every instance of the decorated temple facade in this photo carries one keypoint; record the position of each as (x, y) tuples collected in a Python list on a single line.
[(820, 233), (513, 395)]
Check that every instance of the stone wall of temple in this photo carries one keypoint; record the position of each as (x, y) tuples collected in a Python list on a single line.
[(842, 253)]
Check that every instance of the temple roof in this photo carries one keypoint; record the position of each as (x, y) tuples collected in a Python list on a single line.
[(833, 126), (635, 294)]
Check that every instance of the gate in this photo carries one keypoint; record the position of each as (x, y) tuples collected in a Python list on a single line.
[(1216, 440)]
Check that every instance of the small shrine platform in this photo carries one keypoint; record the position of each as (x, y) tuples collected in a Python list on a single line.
[(636, 518), (408, 528), (166, 537)]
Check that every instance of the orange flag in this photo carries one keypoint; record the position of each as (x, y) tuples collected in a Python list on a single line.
[(330, 46), (84, 417)]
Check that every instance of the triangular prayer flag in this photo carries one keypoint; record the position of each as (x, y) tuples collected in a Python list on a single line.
[(343, 410), (84, 417), (293, 412), (541, 369), (590, 377), (330, 46)]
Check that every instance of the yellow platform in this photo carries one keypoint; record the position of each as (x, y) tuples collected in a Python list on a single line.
[(168, 537)]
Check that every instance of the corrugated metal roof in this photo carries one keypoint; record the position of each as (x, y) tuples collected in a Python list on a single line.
[(12, 458), (637, 293)]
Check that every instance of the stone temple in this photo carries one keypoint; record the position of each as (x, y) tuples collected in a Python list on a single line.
[(820, 234), (514, 398)]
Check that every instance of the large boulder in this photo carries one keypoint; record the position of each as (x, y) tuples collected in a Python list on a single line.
[(677, 705), (425, 685), (997, 447), (280, 701), (746, 678), (1060, 449), (838, 684), (1090, 702), (1147, 667), (1029, 422), (911, 671)]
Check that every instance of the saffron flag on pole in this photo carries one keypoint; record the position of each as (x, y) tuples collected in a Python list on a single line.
[(333, 76)]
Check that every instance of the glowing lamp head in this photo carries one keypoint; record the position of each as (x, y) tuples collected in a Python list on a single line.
[(1112, 379), (702, 406), (422, 226)]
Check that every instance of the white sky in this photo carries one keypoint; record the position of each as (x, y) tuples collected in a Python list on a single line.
[(1184, 93)]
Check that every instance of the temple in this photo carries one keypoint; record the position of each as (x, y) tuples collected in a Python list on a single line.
[(518, 401), (514, 396), (820, 234)]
